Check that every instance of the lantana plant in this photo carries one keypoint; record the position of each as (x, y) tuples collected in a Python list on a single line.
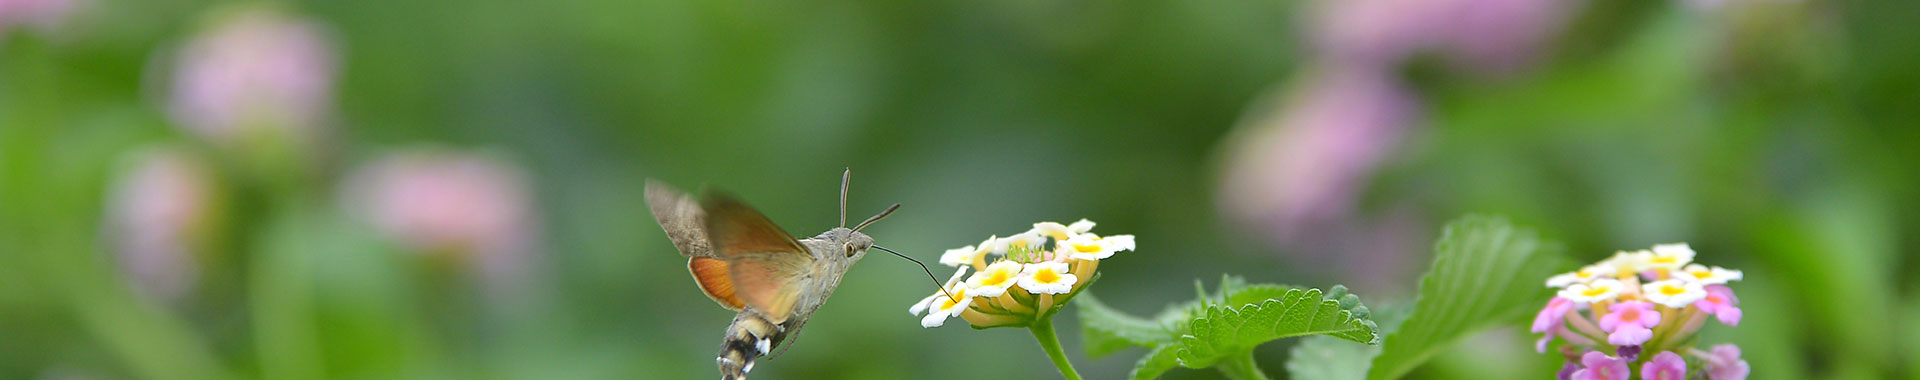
[(1642, 309), (1022, 280), (1025, 279)]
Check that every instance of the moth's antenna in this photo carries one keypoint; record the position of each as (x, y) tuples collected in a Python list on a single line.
[(877, 217), (923, 266), (844, 179)]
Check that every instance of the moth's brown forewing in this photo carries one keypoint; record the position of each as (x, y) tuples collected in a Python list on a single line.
[(765, 263)]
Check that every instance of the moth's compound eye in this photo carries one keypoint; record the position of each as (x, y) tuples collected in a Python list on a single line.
[(849, 249)]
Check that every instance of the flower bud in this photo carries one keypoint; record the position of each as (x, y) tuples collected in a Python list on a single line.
[(1631, 353), (160, 214), (470, 208)]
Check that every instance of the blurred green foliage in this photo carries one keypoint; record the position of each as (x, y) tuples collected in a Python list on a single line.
[(1776, 137)]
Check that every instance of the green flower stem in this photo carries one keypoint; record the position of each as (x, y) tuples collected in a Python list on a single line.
[(1583, 326), (1241, 367), (1687, 323), (1042, 329), (280, 294)]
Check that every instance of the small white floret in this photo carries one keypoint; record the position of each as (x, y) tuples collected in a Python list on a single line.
[(1047, 278), (1598, 290), (1674, 293), (995, 280)]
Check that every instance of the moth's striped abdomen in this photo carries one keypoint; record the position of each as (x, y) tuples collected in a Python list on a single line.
[(748, 338)]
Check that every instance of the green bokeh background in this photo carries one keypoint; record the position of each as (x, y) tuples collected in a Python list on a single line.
[(1782, 138)]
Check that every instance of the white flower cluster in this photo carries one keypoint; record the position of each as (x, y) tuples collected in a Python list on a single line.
[(1031, 269), (1673, 279)]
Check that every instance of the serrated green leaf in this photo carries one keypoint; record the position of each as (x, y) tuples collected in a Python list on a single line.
[(1225, 331), (1329, 358), (1108, 330), (1485, 273), (1267, 318), (1233, 292), (1256, 293), (1157, 362)]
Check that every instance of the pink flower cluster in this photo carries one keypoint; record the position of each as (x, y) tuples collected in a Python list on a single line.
[(159, 217), (255, 74), (40, 15), (1647, 301), (437, 201)]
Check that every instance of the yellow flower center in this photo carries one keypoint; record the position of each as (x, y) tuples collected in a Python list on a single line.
[(1046, 277), (1583, 273), (997, 278), (1666, 260), (1672, 290), (947, 303), (1086, 248), (1594, 291), (1701, 274)]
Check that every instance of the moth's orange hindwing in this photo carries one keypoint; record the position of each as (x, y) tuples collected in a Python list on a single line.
[(712, 276)]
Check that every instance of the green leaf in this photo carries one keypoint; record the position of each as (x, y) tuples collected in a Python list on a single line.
[(1329, 358), (1157, 362), (1108, 330), (1485, 273), (1098, 343), (1258, 313), (1225, 331), (1255, 294), (1235, 291)]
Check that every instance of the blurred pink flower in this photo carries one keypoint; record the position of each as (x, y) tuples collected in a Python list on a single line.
[(1722, 5), (158, 212), (1554, 315), (1306, 164), (1293, 174), (1497, 36), (1480, 35), (1724, 363), (255, 72), (439, 202), (44, 15), (1372, 32)]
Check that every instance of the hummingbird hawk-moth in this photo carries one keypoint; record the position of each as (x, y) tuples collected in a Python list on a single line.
[(749, 265)]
